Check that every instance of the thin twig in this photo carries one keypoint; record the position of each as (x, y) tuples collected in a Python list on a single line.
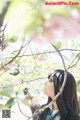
[(71, 64), (45, 53), (13, 57), (65, 73), (21, 110)]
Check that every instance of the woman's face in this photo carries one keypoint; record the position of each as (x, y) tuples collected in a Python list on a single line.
[(49, 89)]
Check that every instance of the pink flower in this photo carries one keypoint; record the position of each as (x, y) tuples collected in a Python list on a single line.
[(10, 65), (41, 59)]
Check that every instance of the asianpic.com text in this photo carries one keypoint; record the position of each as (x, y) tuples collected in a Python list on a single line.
[(52, 3)]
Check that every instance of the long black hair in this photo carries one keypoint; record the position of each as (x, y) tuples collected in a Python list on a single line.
[(67, 102)]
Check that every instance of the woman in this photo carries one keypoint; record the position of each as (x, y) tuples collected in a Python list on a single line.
[(66, 106)]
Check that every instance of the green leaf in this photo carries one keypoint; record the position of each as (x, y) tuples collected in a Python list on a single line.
[(3, 93), (10, 102)]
